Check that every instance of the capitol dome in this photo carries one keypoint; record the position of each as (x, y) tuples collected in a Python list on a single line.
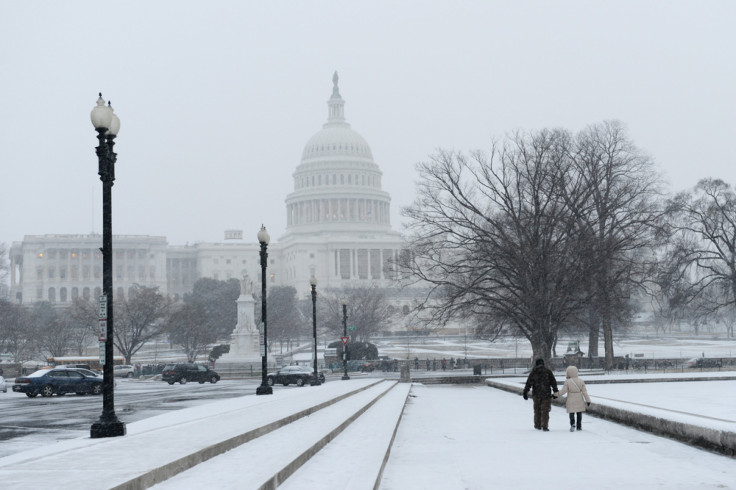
[(334, 140), (337, 181)]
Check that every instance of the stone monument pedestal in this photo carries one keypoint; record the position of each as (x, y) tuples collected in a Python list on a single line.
[(244, 358)]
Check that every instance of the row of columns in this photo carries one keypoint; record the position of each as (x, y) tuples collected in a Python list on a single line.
[(331, 210), (363, 263)]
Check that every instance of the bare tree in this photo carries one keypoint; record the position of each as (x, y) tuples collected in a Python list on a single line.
[(702, 255), (83, 318), (368, 312), (284, 320), (493, 236), (614, 194), (188, 328), (219, 299), (17, 332), (138, 319), (52, 333)]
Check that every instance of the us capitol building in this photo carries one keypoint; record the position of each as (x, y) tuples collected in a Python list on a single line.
[(338, 230)]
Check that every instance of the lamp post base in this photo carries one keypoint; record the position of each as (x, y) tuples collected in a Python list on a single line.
[(107, 429), (264, 390), (315, 382), (344, 377)]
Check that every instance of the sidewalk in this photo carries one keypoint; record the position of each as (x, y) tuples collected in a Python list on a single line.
[(449, 437)]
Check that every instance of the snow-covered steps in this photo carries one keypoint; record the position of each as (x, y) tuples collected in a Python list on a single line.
[(168, 444), (266, 461), (367, 441)]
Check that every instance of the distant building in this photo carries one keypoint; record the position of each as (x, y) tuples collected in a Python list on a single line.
[(60, 268), (338, 230)]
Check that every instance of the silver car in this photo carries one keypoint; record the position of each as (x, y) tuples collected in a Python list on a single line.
[(123, 371)]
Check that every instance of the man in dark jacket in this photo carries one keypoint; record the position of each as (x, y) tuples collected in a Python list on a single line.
[(544, 386)]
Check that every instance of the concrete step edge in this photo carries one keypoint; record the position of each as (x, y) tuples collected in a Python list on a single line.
[(288, 469)]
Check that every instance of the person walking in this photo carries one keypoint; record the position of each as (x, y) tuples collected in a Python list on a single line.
[(544, 386), (577, 397)]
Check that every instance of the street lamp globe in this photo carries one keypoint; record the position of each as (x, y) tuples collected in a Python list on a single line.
[(101, 114), (114, 126), (263, 236)]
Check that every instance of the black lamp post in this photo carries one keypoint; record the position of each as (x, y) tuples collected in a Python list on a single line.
[(107, 125), (313, 282), (264, 389), (345, 336)]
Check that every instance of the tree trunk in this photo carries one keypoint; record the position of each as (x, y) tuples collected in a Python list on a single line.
[(608, 343), (541, 350), (593, 336)]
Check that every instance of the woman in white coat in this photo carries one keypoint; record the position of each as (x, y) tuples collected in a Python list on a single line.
[(577, 397)]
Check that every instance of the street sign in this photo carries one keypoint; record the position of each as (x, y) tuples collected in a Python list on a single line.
[(344, 340), (102, 307), (352, 328), (102, 353), (102, 333)]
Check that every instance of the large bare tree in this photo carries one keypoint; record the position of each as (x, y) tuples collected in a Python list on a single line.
[(702, 256), (493, 236), (614, 193)]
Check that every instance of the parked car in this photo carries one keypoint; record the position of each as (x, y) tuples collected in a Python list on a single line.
[(58, 381), (3, 385), (298, 375), (181, 373), (85, 371), (703, 362), (123, 371)]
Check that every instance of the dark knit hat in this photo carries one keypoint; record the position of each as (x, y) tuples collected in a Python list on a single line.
[(539, 362)]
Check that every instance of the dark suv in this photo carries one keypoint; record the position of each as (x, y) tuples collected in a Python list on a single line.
[(181, 373)]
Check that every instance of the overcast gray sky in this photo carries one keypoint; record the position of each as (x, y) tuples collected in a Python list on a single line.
[(217, 99)]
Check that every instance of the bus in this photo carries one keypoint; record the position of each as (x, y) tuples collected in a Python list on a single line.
[(92, 361)]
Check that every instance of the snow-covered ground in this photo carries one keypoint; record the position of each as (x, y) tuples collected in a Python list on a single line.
[(470, 437), (450, 437), (461, 437), (635, 346)]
